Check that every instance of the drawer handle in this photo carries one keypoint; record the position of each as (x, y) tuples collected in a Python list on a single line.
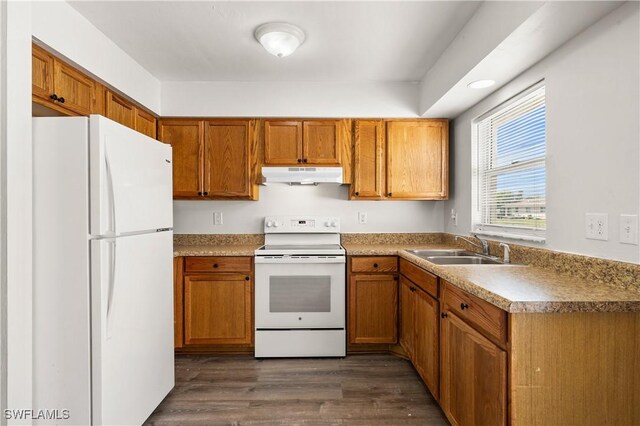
[(464, 306), (375, 265), (215, 265)]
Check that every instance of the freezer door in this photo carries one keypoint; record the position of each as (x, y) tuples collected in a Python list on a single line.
[(130, 178), (131, 326)]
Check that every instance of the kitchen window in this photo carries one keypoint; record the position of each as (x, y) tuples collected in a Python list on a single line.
[(509, 197)]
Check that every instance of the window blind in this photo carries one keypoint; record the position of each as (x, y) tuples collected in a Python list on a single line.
[(510, 168)]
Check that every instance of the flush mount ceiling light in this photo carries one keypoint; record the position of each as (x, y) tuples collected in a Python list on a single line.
[(481, 84), (279, 38)]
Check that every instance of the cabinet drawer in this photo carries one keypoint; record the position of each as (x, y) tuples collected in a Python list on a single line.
[(218, 264), (425, 280), (374, 264), (479, 313)]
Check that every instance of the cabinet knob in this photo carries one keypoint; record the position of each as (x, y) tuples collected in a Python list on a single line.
[(390, 194), (357, 193), (443, 315), (54, 97), (215, 265), (199, 193), (299, 160), (375, 265), (205, 193), (304, 161), (246, 278), (61, 99), (464, 306), (412, 289)]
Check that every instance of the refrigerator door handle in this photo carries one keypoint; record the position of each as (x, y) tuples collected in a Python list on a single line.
[(111, 193), (111, 285)]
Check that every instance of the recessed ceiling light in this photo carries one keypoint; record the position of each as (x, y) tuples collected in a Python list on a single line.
[(279, 38), (481, 84)]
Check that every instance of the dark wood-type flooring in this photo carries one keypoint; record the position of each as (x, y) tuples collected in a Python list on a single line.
[(240, 390)]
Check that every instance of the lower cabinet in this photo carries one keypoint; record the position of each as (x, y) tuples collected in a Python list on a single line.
[(216, 302), (373, 300), (419, 323), (474, 376)]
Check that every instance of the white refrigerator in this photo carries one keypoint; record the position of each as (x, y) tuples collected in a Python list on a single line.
[(103, 277)]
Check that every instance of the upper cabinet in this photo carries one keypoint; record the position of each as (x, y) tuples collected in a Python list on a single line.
[(400, 159), (212, 159), (60, 86), (308, 142), (418, 160)]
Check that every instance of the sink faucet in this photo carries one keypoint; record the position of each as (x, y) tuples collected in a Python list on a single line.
[(507, 252), (484, 244)]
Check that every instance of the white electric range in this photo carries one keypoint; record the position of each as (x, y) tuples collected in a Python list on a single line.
[(300, 293)]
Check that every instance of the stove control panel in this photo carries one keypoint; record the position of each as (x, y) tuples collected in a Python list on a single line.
[(301, 224)]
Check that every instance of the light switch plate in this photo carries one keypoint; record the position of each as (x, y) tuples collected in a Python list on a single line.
[(597, 226), (629, 229), (362, 217)]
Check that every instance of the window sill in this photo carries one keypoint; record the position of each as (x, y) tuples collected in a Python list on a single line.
[(530, 238)]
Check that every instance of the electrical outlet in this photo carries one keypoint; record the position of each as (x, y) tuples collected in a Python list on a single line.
[(629, 229), (597, 226), (454, 217), (217, 218), (362, 217)]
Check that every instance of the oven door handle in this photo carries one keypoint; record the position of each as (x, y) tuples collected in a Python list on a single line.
[(284, 260)]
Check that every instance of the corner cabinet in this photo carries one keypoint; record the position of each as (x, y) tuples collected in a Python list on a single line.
[(400, 160), (212, 159)]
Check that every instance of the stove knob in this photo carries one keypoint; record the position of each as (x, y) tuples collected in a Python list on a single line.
[(269, 224), (327, 224), (333, 224), (275, 224)]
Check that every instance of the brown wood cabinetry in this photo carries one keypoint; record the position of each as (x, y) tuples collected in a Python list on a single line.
[(417, 159), (419, 323), (373, 300), (308, 142), (119, 110), (214, 303), (474, 376), (145, 123), (400, 159), (368, 160), (178, 302), (211, 159), (474, 360), (59, 86)]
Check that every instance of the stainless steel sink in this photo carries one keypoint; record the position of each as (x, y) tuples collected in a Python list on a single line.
[(424, 253), (463, 260)]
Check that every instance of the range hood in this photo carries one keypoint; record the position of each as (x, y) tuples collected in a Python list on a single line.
[(302, 175)]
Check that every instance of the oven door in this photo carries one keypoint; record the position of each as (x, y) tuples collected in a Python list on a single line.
[(300, 292)]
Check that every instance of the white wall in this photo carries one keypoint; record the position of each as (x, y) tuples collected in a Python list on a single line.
[(62, 28), (17, 196), (240, 217), (593, 136), (289, 99)]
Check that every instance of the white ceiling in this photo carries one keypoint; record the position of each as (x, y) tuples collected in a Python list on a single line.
[(346, 41)]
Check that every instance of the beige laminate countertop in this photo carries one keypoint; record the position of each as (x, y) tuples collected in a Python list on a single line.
[(518, 288), (214, 249)]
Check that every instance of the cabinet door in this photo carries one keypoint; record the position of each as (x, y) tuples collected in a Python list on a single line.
[(417, 159), (373, 312), (178, 302), (474, 376), (119, 110), (145, 123), (76, 88), (282, 142), (186, 137), (321, 144), (218, 309), (41, 73), (368, 158), (407, 316), (426, 344), (227, 163)]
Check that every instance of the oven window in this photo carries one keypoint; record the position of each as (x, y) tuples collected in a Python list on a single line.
[(299, 293)]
